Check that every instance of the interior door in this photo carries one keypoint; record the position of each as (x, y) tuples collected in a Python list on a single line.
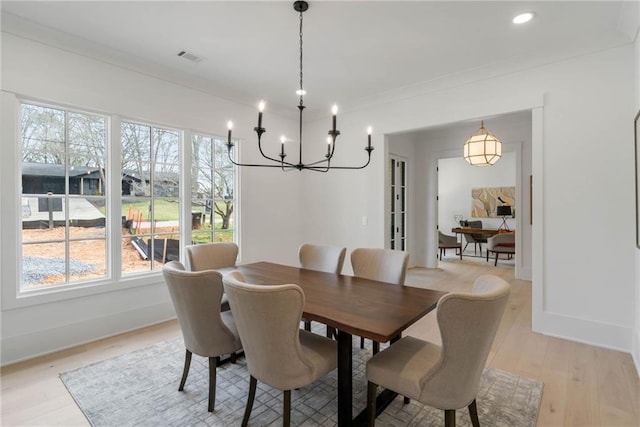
[(398, 206)]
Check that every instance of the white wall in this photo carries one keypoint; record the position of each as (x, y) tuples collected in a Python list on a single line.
[(270, 213), (581, 160)]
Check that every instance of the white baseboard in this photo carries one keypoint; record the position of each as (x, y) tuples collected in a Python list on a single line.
[(34, 344), (600, 334)]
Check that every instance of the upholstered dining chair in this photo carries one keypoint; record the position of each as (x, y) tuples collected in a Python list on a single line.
[(503, 243), (448, 242), (444, 376), (476, 239), (206, 331), (212, 256), (277, 351), (327, 258), (383, 265)]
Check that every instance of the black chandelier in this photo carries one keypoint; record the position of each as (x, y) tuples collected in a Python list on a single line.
[(322, 165)]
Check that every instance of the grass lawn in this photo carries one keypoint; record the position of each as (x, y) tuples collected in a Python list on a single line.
[(165, 210)]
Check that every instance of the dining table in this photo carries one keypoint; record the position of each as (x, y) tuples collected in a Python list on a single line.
[(354, 306)]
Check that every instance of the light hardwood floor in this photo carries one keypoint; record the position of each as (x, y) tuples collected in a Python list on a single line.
[(583, 385)]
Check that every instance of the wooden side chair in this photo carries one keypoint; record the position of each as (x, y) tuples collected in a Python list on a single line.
[(277, 351), (207, 331), (444, 376)]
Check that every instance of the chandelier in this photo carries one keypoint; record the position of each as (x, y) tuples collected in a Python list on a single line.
[(321, 165), (482, 148)]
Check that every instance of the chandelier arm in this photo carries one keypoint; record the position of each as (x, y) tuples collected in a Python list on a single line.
[(280, 163)]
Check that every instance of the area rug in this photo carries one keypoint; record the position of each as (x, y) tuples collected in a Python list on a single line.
[(141, 389)]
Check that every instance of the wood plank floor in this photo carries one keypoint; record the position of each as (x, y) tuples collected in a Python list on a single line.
[(583, 385)]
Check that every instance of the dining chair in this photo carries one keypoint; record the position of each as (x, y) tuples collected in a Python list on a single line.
[(477, 239), (278, 353), (212, 256), (448, 242), (326, 258), (444, 376), (503, 243), (383, 265), (206, 331)]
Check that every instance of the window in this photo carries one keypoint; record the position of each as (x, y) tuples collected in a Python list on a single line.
[(63, 198), (68, 208), (213, 191), (150, 197)]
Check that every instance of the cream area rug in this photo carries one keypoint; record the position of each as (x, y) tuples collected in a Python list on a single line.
[(141, 389)]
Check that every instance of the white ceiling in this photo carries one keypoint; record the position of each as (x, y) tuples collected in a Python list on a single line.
[(353, 51)]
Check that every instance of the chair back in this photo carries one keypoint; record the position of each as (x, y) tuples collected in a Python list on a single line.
[(329, 259), (444, 239), (211, 256), (268, 320), (468, 324), (475, 238), (384, 265), (196, 299)]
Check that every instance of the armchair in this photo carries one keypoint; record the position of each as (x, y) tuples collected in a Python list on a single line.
[(503, 243)]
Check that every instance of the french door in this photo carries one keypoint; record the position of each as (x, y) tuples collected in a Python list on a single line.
[(398, 206)]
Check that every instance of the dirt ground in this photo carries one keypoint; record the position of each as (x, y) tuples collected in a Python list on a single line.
[(89, 251)]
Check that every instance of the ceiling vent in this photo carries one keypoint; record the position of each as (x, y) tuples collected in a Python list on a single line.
[(190, 56)]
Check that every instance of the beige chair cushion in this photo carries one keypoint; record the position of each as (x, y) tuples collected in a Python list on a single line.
[(329, 259), (446, 377), (196, 297), (383, 265), (502, 243), (277, 352), (211, 256)]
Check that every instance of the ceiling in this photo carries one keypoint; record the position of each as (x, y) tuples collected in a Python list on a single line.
[(353, 51)]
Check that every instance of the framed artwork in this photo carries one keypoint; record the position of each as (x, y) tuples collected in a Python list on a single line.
[(636, 141), (485, 201)]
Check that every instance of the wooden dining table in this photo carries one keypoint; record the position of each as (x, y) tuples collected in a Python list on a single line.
[(354, 306)]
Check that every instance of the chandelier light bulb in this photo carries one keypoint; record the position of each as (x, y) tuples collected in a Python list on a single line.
[(229, 125), (301, 92), (369, 130), (261, 105), (334, 109)]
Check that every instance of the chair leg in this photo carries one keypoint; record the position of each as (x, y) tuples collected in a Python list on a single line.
[(449, 418), (361, 342), (495, 264), (286, 412), (213, 362), (461, 252), (376, 347), (372, 391), (473, 414), (252, 394), (185, 371), (406, 400), (307, 325)]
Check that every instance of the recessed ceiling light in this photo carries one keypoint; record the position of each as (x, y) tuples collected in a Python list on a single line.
[(523, 18)]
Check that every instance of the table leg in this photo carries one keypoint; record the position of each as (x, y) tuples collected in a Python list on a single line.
[(345, 379)]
